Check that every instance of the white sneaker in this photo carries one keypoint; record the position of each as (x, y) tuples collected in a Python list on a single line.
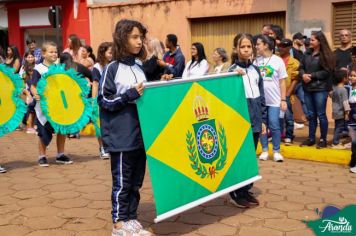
[(31, 131), (353, 169), (348, 145), (125, 230), (338, 146), (277, 157), (104, 155), (263, 156), (139, 231), (2, 169), (298, 126), (120, 232), (288, 141)]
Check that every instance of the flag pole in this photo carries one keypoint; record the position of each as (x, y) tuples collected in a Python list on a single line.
[(182, 81), (200, 201)]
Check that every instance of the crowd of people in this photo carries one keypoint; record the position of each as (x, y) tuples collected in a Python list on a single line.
[(275, 70)]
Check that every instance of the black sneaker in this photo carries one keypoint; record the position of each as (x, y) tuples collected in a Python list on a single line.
[(307, 142), (43, 162), (251, 199), (240, 202), (64, 160), (322, 144)]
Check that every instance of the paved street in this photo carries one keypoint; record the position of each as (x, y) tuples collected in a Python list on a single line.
[(75, 199)]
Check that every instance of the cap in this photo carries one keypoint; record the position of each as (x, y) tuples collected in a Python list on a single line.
[(298, 36), (286, 43)]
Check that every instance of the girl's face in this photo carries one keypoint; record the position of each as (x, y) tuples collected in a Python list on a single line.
[(69, 42), (216, 57), (260, 47), (194, 51), (353, 77), (108, 54), (134, 41), (50, 55), (9, 52), (272, 34), (245, 49), (85, 53), (30, 59), (314, 43)]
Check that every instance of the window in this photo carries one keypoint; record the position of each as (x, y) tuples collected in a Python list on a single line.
[(344, 18), (215, 32), (43, 34)]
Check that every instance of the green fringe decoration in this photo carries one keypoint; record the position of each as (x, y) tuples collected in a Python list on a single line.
[(21, 107), (95, 117), (83, 84)]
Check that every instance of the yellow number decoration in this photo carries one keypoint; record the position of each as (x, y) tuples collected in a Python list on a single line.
[(12, 107), (64, 99)]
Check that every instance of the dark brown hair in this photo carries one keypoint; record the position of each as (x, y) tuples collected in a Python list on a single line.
[(28, 67), (15, 52), (90, 52), (201, 53), (120, 39), (326, 55), (75, 43), (103, 47), (239, 41), (236, 44)]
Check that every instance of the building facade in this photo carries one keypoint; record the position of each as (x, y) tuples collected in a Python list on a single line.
[(216, 22), (20, 20)]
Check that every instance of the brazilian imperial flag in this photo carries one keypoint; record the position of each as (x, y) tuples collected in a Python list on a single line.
[(198, 140)]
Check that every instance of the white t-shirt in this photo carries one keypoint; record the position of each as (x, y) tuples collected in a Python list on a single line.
[(251, 80), (41, 68), (352, 97), (196, 69), (218, 69), (272, 70)]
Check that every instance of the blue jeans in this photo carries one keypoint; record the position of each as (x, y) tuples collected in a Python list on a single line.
[(316, 104), (275, 128), (299, 92), (288, 120), (339, 127)]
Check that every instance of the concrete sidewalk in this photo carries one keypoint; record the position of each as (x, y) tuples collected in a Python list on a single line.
[(74, 200)]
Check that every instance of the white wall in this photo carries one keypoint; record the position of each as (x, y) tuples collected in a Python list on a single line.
[(34, 16), (3, 18)]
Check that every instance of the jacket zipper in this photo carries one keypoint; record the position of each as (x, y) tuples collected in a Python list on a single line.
[(249, 81)]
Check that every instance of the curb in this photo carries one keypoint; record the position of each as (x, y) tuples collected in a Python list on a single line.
[(327, 155)]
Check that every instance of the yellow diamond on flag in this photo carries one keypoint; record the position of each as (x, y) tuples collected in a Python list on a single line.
[(201, 116)]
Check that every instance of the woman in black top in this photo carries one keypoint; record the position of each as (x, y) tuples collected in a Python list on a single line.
[(151, 66), (316, 71), (13, 59)]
